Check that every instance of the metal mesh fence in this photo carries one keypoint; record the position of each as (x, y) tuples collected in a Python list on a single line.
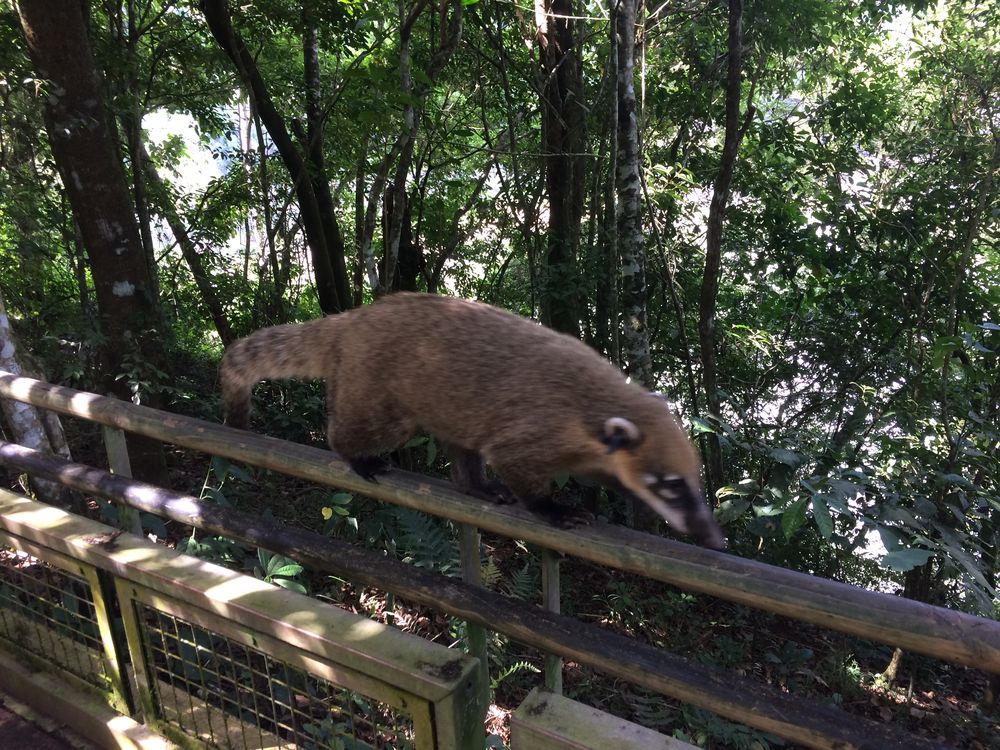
[(232, 696), (49, 613)]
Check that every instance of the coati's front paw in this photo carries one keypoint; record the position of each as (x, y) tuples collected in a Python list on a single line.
[(369, 467), (494, 491), (561, 516)]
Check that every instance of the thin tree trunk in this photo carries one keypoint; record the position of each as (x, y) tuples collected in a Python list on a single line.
[(713, 250), (315, 155), (359, 222), (635, 336), (80, 136), (917, 586), (564, 144), (279, 271)]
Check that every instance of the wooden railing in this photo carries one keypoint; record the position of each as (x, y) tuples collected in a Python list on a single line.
[(209, 647), (935, 631)]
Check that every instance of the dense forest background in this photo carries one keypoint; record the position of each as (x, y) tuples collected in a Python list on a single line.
[(782, 214)]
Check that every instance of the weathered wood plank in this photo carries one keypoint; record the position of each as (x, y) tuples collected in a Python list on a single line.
[(914, 626), (546, 721), (552, 601)]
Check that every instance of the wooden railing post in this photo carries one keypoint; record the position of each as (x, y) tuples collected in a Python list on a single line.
[(472, 573), (118, 463), (551, 601)]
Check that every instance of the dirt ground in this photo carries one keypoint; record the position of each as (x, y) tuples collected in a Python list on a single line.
[(16, 731)]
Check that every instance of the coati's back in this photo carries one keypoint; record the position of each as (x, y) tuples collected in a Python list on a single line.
[(480, 376)]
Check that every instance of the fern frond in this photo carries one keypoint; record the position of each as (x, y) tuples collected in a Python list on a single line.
[(426, 541), (524, 583), (491, 573)]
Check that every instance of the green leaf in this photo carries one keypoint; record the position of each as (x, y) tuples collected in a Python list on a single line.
[(786, 457), (956, 479), (295, 586), (341, 498), (699, 426), (730, 510), (891, 539), (903, 560), (221, 467), (794, 517), (288, 570), (821, 514), (744, 488)]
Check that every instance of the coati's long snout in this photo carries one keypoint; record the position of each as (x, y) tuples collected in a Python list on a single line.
[(675, 497), (531, 402)]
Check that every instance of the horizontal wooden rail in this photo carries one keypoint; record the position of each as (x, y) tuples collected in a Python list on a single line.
[(805, 722), (914, 626)]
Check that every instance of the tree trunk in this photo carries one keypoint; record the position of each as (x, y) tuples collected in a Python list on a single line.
[(314, 217), (564, 144), (917, 586), (27, 425), (315, 158), (79, 130), (713, 249), (635, 335), (409, 258), (275, 306)]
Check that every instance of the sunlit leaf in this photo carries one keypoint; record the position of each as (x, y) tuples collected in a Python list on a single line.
[(821, 514), (793, 518), (906, 559)]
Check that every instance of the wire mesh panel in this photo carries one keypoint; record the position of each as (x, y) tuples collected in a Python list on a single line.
[(231, 695), (221, 659), (50, 614)]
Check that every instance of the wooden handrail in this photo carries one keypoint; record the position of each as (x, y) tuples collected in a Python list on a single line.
[(936, 631), (803, 721)]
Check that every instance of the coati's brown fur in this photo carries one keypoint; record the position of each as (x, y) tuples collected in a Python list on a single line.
[(531, 402)]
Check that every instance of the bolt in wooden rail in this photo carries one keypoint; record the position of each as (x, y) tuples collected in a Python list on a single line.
[(805, 722), (914, 626)]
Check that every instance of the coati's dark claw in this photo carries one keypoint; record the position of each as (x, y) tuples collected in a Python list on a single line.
[(369, 467), (561, 516), (494, 491)]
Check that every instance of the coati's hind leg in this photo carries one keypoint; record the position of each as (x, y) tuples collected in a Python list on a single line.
[(532, 486), (467, 475)]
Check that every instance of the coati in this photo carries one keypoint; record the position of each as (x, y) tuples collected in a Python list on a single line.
[(492, 386)]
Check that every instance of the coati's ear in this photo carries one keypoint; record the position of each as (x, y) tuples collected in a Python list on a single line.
[(620, 433)]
